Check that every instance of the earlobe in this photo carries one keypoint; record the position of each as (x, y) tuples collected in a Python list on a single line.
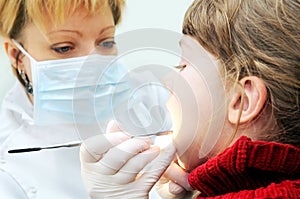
[(246, 105)]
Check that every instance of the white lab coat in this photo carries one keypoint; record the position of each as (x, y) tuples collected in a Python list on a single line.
[(36, 175), (43, 174)]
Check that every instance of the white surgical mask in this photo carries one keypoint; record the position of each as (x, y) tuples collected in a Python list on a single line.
[(75, 89), (97, 88)]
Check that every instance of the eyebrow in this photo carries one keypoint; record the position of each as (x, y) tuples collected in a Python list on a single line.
[(106, 28), (79, 33)]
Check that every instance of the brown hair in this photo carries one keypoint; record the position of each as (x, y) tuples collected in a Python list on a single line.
[(260, 38), (15, 14)]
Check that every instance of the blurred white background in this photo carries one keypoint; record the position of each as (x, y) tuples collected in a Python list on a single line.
[(164, 14), (6, 77)]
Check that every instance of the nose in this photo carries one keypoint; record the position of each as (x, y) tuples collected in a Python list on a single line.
[(89, 48)]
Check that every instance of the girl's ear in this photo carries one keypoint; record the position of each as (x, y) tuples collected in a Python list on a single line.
[(255, 95), (13, 52)]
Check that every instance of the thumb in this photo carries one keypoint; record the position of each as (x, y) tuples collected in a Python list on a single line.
[(176, 174), (164, 187), (159, 164), (175, 188)]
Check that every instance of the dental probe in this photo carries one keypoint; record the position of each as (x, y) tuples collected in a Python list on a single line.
[(78, 143)]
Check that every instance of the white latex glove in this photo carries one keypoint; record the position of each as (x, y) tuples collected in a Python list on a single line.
[(174, 184), (111, 165)]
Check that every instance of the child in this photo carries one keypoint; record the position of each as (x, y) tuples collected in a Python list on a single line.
[(256, 48)]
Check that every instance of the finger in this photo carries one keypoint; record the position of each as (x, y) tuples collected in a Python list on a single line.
[(113, 127), (136, 164), (116, 157), (93, 148), (162, 188), (175, 188), (158, 166), (176, 174)]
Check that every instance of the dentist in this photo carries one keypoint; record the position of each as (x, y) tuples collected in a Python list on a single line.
[(47, 41)]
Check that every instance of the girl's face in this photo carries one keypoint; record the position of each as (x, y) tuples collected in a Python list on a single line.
[(79, 35), (198, 119)]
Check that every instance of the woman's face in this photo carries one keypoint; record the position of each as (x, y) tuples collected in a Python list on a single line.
[(198, 111), (79, 35)]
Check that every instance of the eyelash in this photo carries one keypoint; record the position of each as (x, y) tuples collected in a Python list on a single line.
[(66, 49), (181, 67), (107, 44), (63, 49)]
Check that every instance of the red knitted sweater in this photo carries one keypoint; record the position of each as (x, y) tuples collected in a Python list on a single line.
[(250, 169)]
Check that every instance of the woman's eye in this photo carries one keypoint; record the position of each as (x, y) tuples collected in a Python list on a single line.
[(107, 44), (63, 49)]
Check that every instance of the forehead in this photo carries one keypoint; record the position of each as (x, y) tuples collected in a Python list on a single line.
[(83, 20), (194, 53), (201, 62)]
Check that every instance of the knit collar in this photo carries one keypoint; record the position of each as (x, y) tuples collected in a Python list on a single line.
[(238, 163), (272, 156)]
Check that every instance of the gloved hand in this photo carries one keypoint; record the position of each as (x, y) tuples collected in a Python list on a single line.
[(174, 184), (117, 166)]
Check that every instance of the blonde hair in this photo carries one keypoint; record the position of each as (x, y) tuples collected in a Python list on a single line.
[(14, 15), (260, 38)]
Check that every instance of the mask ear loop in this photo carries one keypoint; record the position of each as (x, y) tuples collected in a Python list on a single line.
[(20, 47), (24, 78)]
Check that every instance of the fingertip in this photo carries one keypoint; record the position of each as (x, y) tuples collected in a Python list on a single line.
[(113, 127), (170, 148), (178, 175), (86, 155), (175, 188), (155, 149), (144, 143)]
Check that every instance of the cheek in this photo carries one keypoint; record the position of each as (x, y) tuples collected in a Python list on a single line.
[(190, 126), (175, 111)]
